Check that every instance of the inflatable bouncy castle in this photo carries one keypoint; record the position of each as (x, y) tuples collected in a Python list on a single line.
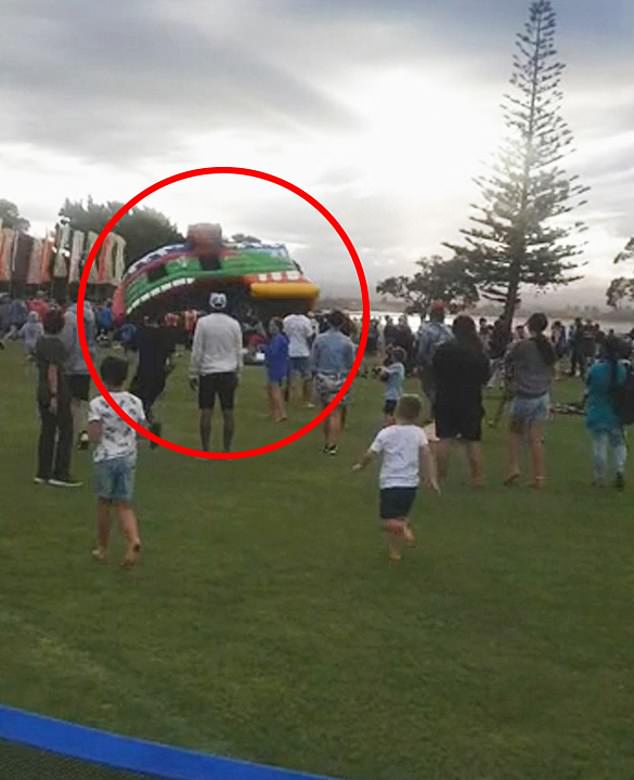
[(255, 276)]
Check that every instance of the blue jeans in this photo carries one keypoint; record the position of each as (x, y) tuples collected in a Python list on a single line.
[(602, 442)]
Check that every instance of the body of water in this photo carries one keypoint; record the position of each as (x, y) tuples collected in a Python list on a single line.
[(414, 320)]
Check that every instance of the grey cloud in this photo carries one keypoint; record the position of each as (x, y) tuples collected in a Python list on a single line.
[(121, 79), (128, 82)]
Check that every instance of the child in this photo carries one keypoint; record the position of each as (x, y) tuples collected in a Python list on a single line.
[(277, 366), (405, 452), (393, 374), (603, 382), (114, 457), (30, 333)]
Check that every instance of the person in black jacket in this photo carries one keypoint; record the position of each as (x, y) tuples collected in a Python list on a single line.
[(461, 369), (156, 345)]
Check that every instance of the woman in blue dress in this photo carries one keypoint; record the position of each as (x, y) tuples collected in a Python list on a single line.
[(276, 362), (602, 383)]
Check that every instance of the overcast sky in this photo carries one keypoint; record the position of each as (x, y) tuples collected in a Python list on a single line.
[(384, 111)]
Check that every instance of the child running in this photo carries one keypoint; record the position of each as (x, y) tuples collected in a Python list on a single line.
[(114, 456), (404, 454), (393, 374)]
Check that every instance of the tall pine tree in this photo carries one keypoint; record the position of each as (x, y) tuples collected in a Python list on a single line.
[(521, 234)]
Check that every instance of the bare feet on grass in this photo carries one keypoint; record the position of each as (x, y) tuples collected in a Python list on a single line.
[(132, 556)]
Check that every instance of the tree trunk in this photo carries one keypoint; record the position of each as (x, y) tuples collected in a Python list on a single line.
[(511, 298)]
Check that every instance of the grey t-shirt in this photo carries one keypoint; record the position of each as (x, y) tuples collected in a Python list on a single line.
[(530, 375), (75, 363)]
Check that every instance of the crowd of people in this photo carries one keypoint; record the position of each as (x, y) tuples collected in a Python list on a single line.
[(307, 358)]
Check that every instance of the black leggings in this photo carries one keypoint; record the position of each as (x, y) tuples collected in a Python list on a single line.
[(56, 442)]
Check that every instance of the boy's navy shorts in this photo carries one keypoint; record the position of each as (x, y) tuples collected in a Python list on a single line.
[(390, 406), (396, 502)]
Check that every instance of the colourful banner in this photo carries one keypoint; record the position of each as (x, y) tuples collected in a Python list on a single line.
[(118, 264), (45, 259), (60, 264), (21, 258), (92, 237), (6, 254), (34, 275), (76, 249), (104, 261)]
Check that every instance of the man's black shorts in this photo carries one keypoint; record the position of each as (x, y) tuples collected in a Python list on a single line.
[(396, 502), (221, 385), (79, 386), (148, 388), (464, 424)]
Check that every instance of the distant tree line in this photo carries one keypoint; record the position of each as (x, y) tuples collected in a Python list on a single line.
[(143, 228)]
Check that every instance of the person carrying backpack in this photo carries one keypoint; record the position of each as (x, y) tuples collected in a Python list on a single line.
[(607, 409)]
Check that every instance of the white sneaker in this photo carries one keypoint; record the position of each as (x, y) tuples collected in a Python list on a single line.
[(69, 483)]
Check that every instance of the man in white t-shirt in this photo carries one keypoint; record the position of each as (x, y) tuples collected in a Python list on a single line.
[(300, 332), (404, 452), (215, 366)]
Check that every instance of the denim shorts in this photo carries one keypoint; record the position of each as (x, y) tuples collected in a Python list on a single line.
[(528, 411), (114, 479)]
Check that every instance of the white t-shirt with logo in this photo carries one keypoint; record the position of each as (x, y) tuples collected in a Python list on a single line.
[(299, 330), (399, 447), (118, 439)]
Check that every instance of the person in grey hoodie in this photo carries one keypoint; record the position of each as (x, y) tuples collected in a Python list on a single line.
[(75, 368)]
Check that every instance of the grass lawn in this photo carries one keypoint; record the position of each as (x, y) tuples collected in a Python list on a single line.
[(264, 622)]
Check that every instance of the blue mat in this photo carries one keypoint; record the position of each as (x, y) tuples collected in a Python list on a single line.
[(31, 744)]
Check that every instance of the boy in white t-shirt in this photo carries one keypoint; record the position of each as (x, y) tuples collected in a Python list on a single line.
[(114, 456), (404, 452)]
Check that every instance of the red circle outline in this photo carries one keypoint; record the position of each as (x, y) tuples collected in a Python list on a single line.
[(365, 319)]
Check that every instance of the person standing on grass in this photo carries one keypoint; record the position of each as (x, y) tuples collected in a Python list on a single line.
[(497, 347), (606, 377), (276, 363), (577, 354), (461, 370), (405, 453), (114, 457), (431, 335), (531, 366), (76, 368), (156, 347), (331, 359), (214, 369), (404, 339), (53, 397), (393, 375), (299, 331)]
